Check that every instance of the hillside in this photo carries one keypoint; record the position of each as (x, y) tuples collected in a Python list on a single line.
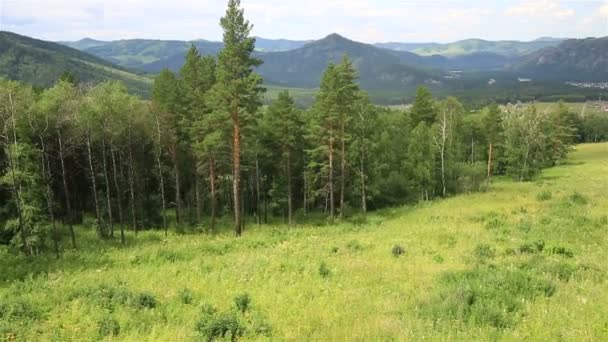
[(522, 259), (151, 55), (41, 63), (378, 68), (572, 60), (474, 46), (275, 45)]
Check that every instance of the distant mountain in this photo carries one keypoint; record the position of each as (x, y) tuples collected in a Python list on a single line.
[(275, 45), (85, 43), (378, 68), (474, 46), (151, 55), (41, 63), (572, 60)]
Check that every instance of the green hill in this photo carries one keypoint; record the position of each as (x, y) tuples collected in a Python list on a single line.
[(472, 46), (378, 68), (151, 55), (572, 60), (41, 63)]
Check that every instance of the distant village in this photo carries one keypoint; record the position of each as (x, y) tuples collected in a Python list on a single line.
[(589, 85)]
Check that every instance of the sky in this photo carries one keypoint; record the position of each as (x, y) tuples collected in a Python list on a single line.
[(363, 20)]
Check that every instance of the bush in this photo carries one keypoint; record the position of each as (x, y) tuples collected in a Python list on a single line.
[(483, 251), (242, 302), (105, 295), (145, 301), (531, 248), (355, 245), (186, 296), (108, 327), (493, 221), (334, 250), (485, 297), (577, 198), (18, 311), (563, 251), (397, 251), (324, 271), (544, 195), (213, 325)]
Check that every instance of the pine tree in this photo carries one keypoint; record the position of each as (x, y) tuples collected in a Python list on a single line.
[(285, 128), (238, 89), (423, 109)]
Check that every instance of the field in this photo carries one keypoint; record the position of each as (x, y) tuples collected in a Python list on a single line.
[(523, 261)]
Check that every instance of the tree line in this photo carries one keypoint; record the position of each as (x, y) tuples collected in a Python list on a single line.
[(205, 148)]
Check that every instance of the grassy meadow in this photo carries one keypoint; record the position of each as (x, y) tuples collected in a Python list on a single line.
[(523, 261)]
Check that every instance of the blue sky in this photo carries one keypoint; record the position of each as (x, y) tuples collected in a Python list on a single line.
[(363, 20)]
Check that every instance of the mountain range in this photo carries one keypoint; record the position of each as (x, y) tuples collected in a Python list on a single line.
[(41, 63), (300, 64), (153, 55)]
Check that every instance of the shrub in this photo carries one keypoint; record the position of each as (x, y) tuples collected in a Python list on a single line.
[(213, 325), (563, 251), (18, 311), (544, 195), (493, 220), (105, 295), (186, 296), (242, 302), (358, 220), (531, 248), (577, 198), (485, 297), (438, 258), (524, 225), (355, 245), (334, 250), (108, 327), (324, 271), (397, 251), (483, 251), (145, 301), (260, 326)]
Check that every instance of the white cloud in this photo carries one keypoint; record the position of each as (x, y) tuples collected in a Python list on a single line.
[(540, 8), (366, 20)]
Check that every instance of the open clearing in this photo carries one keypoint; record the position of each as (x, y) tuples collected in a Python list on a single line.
[(524, 261)]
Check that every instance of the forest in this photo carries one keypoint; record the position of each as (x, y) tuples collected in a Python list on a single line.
[(206, 213), (204, 151)]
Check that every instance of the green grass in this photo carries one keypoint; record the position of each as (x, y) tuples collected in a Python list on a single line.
[(513, 263)]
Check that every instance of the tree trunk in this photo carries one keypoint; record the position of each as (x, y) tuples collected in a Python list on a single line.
[(442, 150), (305, 194), (66, 191), (213, 192), (363, 186), (331, 178), (16, 183), (258, 214), (197, 200), (236, 174), (160, 175), (342, 169), (46, 176), (178, 202), (472, 150), (100, 228), (131, 183), (107, 181), (490, 151), (118, 196), (289, 191)]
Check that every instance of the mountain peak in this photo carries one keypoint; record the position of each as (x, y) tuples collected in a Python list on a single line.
[(336, 37)]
